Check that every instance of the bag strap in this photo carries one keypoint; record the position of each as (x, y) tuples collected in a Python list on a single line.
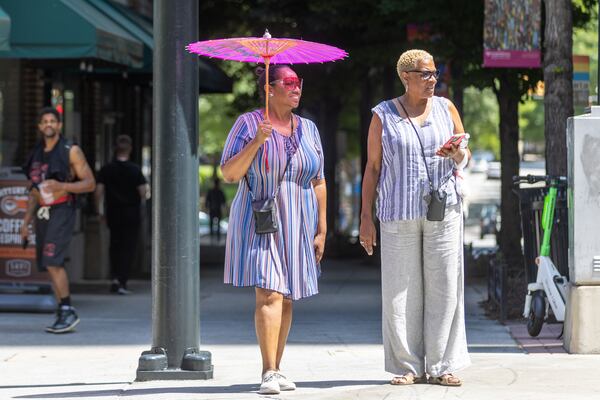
[(284, 170), (396, 103)]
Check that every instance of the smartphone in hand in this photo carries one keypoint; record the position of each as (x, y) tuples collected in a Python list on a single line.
[(454, 140), (24, 243)]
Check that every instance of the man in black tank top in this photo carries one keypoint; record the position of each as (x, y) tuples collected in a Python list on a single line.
[(120, 193), (58, 171)]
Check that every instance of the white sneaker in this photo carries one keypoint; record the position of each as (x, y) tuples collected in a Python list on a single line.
[(270, 383), (285, 383), (123, 291)]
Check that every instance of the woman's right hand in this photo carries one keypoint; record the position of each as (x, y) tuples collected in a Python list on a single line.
[(263, 131), (368, 235)]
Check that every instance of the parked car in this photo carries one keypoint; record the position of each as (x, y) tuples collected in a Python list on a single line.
[(489, 220), (537, 167), (205, 226), (480, 160), (494, 170)]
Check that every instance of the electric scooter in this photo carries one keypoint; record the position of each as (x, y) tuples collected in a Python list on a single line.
[(550, 285)]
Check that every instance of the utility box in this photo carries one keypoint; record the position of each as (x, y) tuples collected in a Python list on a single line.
[(583, 146), (582, 322)]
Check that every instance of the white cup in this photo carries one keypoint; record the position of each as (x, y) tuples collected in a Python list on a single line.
[(47, 196)]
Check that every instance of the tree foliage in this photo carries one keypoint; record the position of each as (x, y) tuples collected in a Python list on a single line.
[(339, 95)]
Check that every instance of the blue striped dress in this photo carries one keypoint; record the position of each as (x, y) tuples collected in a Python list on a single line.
[(283, 261)]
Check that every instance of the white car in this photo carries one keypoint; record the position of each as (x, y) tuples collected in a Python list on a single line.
[(494, 170), (204, 228), (480, 160), (532, 167)]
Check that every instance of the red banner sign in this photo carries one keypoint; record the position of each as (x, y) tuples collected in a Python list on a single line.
[(16, 264)]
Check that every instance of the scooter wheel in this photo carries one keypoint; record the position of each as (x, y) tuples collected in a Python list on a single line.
[(537, 313)]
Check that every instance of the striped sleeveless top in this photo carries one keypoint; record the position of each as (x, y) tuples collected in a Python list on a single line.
[(403, 182)]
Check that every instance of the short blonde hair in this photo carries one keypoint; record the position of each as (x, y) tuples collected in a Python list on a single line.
[(409, 59)]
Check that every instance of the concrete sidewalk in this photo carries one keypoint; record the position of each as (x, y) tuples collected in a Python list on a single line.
[(334, 349)]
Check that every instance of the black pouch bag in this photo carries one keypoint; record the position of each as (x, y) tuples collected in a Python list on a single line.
[(265, 216), (436, 209)]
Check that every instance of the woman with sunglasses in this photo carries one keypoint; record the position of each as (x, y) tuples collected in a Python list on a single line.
[(276, 156), (411, 172)]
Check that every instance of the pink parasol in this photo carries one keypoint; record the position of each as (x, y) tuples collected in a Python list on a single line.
[(267, 50)]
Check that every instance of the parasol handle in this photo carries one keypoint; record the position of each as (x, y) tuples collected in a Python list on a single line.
[(267, 60)]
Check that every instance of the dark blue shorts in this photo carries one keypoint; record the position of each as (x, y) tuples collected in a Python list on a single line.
[(53, 235)]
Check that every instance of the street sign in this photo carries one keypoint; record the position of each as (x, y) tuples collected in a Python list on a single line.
[(511, 34), (581, 80)]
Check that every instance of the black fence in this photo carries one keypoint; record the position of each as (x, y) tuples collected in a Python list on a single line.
[(498, 287), (531, 202)]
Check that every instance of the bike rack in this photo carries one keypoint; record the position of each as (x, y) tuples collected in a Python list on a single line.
[(497, 286)]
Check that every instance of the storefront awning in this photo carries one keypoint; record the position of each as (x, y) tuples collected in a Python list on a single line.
[(212, 78), (4, 30), (59, 29)]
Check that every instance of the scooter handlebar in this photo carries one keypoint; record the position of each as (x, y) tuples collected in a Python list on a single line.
[(531, 179)]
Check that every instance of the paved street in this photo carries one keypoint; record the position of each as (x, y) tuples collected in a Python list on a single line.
[(483, 191), (334, 350), (480, 191)]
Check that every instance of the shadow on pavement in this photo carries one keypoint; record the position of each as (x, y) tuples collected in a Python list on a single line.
[(63, 384), (508, 348), (332, 384), (245, 388)]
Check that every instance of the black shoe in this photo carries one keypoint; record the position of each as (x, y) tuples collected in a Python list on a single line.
[(114, 286), (66, 320), (49, 327)]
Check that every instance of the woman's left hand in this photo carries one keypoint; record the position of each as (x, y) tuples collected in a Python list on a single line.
[(319, 245)]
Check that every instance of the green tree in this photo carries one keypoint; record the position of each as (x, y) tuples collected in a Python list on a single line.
[(374, 32), (558, 81), (481, 117)]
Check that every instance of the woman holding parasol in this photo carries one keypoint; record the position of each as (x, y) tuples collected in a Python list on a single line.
[(277, 224)]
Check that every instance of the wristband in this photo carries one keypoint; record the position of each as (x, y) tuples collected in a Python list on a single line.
[(463, 162), (465, 142)]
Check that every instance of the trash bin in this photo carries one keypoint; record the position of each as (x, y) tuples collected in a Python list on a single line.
[(531, 205)]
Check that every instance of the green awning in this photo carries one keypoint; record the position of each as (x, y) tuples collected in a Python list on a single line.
[(139, 28), (4, 30), (212, 78), (68, 29)]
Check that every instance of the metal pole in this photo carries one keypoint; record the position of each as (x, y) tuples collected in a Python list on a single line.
[(175, 350)]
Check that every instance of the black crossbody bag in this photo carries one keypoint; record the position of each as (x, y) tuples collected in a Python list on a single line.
[(436, 204), (265, 210)]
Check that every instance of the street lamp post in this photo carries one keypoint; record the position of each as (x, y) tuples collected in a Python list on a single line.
[(175, 350)]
